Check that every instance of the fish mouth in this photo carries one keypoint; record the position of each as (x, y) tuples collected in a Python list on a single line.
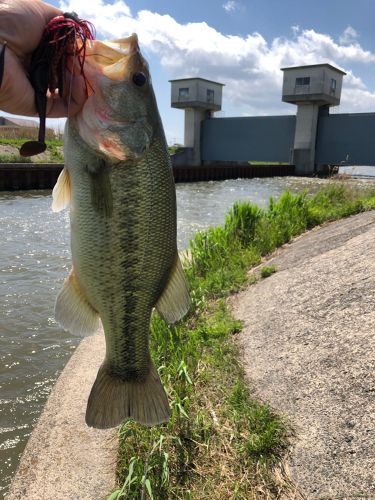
[(111, 58)]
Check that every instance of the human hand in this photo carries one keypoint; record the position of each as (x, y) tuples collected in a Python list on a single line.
[(22, 23)]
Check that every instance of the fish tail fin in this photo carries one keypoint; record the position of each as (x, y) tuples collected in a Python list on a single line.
[(113, 400)]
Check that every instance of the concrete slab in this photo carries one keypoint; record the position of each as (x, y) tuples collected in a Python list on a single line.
[(309, 351), (65, 459)]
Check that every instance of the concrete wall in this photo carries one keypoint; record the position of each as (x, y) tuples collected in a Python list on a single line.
[(16, 176), (327, 76), (347, 138), (261, 138), (320, 139), (190, 84), (304, 139), (64, 458), (202, 92)]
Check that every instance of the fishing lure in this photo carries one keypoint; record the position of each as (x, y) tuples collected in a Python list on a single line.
[(64, 36), (2, 57)]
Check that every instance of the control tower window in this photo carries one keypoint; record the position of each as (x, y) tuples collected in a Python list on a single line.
[(302, 81), (183, 94)]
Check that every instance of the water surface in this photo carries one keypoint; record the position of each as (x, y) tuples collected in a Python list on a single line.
[(34, 260)]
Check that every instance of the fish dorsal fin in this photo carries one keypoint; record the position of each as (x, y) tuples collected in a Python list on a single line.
[(72, 309), (61, 193), (174, 302)]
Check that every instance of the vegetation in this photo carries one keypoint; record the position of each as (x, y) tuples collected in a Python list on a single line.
[(10, 132), (19, 141), (220, 442), (13, 158), (254, 162), (53, 153), (266, 271), (175, 148)]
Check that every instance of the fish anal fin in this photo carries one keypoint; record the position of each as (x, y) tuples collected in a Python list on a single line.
[(113, 400), (174, 302), (72, 309), (61, 194)]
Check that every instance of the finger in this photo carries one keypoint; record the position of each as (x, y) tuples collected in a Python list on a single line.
[(16, 93), (22, 23), (73, 99)]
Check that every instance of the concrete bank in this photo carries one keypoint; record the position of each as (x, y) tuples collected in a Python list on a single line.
[(309, 351), (64, 459)]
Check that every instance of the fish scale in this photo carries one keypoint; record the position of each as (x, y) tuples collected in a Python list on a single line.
[(135, 250), (123, 236)]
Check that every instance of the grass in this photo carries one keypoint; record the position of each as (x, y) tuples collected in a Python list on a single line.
[(220, 442), (253, 162), (13, 158), (53, 150), (266, 271), (20, 141)]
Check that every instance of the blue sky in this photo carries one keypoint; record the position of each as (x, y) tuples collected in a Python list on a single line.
[(243, 43)]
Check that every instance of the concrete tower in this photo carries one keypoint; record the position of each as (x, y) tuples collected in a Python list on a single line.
[(200, 98), (313, 89)]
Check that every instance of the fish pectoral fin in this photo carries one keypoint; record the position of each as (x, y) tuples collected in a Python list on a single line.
[(174, 302), (61, 193), (101, 190), (72, 309)]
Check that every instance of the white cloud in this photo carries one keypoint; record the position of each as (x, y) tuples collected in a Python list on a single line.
[(349, 36), (296, 29), (230, 5), (248, 65)]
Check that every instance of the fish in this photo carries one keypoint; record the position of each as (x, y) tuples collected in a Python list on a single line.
[(118, 182)]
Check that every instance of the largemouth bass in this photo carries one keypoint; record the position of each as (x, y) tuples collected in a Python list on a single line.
[(119, 184)]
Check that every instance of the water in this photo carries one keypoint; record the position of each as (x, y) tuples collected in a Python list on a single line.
[(35, 258), (359, 172)]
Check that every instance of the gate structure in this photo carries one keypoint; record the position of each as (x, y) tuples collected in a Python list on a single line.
[(346, 139), (262, 138), (309, 140)]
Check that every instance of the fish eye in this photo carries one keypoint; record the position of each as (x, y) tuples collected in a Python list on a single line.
[(139, 79)]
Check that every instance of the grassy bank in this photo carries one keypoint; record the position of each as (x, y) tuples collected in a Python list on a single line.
[(220, 442), (9, 151)]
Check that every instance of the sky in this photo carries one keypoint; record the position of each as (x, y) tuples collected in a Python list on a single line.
[(243, 44)]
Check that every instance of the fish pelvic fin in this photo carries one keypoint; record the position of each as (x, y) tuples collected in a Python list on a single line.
[(72, 309), (113, 400), (174, 302), (61, 194)]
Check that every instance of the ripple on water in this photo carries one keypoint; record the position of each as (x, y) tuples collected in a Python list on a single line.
[(35, 258)]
